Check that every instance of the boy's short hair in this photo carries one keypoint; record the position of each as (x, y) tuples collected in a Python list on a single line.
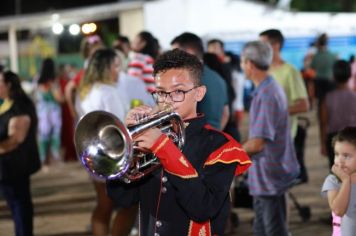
[(179, 59), (341, 71), (347, 134)]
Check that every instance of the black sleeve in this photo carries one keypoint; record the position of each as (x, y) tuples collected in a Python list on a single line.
[(122, 194)]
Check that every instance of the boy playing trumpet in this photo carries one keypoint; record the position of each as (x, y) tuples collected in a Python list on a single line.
[(189, 195)]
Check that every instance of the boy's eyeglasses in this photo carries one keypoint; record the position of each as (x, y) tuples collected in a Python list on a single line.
[(175, 96)]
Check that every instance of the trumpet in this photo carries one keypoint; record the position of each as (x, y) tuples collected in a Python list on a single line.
[(107, 150)]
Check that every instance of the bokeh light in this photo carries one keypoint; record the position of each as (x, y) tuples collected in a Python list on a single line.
[(74, 29), (57, 28), (89, 28)]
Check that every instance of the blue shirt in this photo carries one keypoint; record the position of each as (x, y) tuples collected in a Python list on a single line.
[(215, 98), (275, 167)]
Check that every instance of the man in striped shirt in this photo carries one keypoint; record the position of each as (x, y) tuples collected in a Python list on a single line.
[(269, 145)]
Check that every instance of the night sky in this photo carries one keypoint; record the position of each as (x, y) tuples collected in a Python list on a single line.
[(32, 6)]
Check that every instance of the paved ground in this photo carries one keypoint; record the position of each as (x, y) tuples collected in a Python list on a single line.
[(64, 197)]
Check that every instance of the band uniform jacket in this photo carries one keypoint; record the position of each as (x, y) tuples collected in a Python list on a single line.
[(190, 194)]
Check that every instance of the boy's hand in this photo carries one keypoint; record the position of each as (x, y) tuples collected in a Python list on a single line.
[(136, 114), (149, 137), (353, 177), (340, 173)]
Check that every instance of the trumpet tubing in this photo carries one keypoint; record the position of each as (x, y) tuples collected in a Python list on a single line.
[(106, 148)]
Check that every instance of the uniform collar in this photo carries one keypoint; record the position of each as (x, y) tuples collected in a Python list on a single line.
[(194, 124)]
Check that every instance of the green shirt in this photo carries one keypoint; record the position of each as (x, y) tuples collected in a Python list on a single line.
[(322, 63), (293, 85)]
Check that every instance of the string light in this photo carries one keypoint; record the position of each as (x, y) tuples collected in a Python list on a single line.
[(89, 28), (57, 28), (74, 29)]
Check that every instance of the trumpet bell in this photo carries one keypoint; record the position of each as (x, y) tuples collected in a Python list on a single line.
[(104, 145), (106, 148)]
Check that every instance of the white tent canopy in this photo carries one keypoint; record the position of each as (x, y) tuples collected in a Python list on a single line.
[(236, 19)]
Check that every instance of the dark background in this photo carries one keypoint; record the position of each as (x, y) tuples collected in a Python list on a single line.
[(107, 29), (11, 7)]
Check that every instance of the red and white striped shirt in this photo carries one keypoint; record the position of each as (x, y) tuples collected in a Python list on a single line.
[(141, 66)]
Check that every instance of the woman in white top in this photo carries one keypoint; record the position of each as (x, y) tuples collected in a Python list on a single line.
[(98, 91)]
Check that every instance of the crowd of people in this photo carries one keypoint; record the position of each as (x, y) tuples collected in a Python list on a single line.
[(190, 194)]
